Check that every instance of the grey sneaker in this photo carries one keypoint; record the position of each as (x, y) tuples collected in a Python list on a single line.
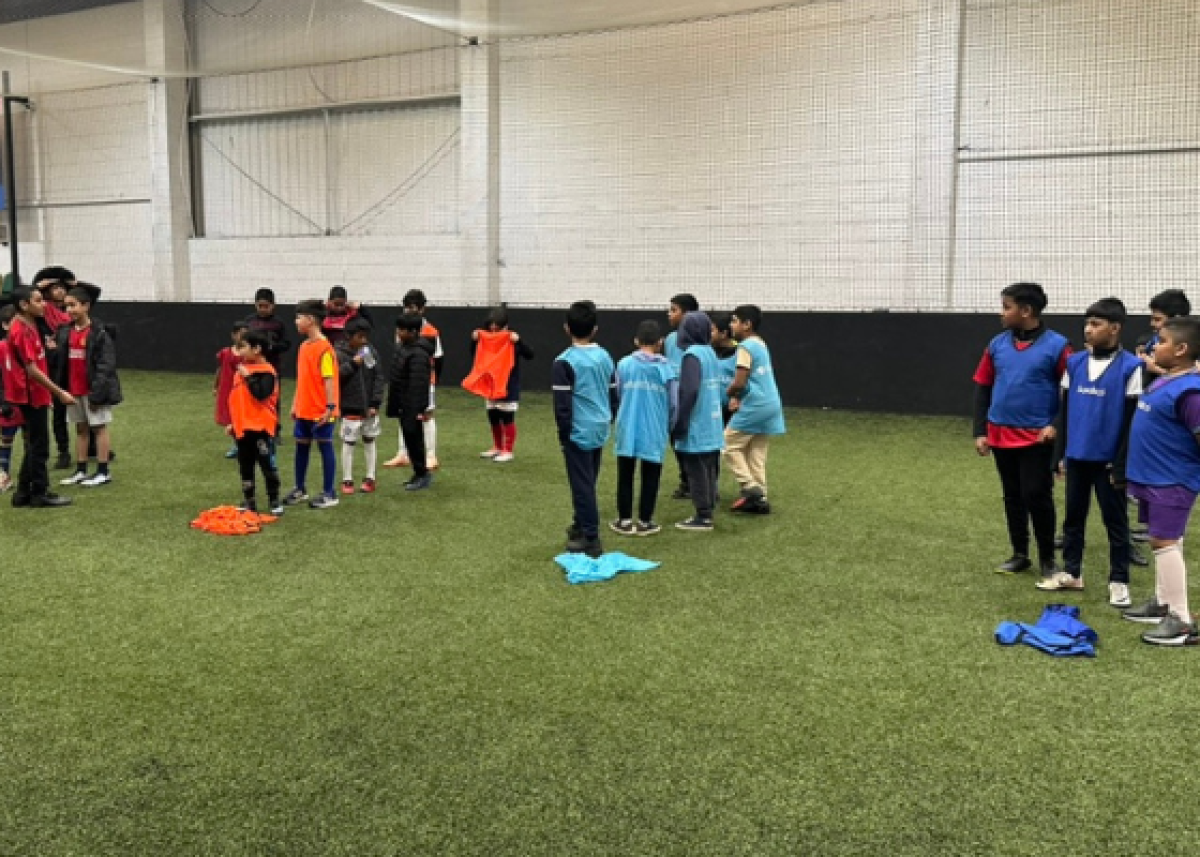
[(1172, 631), (296, 495), (325, 501), (1147, 613)]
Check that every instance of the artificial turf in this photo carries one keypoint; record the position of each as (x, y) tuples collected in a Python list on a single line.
[(410, 674)]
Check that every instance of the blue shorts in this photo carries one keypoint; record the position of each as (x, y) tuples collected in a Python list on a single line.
[(309, 430)]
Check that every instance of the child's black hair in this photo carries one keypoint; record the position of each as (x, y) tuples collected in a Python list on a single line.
[(648, 333), (721, 321), (21, 293), (337, 292), (751, 314), (57, 273), (686, 302), (1185, 329), (1171, 303), (1110, 309), (411, 322), (264, 294), (81, 294), (256, 339), (358, 324), (581, 319), (1030, 295), (414, 297), (498, 316), (7, 313), (312, 307), (238, 326)]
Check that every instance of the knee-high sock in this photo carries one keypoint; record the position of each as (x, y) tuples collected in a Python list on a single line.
[(510, 436), (430, 429), (303, 450), (1170, 580), (328, 466), (403, 450), (347, 462), (371, 453)]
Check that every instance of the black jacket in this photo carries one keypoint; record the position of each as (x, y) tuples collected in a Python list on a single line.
[(103, 384), (361, 386), (277, 336), (408, 379)]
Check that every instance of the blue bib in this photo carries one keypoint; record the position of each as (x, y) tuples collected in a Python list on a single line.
[(1026, 391), (643, 419), (1096, 411), (761, 410), (591, 412), (706, 429), (1162, 451)]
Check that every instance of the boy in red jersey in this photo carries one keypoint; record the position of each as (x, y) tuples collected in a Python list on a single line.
[(315, 405), (227, 363), (27, 385), (10, 416), (1016, 403), (53, 283), (253, 414)]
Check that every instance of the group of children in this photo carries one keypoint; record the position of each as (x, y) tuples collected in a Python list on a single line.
[(1115, 424), (668, 393), (59, 367)]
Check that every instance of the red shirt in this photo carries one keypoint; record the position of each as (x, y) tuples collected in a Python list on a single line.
[(77, 374), (27, 348), (1007, 437)]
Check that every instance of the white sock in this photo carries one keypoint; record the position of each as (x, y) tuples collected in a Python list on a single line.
[(347, 462), (1170, 580), (370, 452), (403, 449), (430, 430)]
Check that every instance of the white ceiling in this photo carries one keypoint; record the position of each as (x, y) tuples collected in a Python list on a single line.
[(511, 18)]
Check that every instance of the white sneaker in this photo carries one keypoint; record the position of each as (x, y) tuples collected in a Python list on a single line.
[(98, 479), (1118, 595), (503, 457), (1059, 581), (490, 453), (74, 479)]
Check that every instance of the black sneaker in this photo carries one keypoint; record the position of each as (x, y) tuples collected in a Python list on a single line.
[(49, 501), (755, 506), (681, 493), (1049, 567), (64, 461), (586, 545), (696, 524), (419, 483), (1136, 557), (574, 533), (646, 528), (1172, 631), (276, 506), (1147, 613), (1015, 564), (625, 527), (1139, 536), (296, 495), (20, 501)]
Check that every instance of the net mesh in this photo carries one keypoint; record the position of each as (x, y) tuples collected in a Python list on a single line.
[(912, 155)]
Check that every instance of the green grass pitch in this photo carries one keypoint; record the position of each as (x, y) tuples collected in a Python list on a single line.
[(411, 675)]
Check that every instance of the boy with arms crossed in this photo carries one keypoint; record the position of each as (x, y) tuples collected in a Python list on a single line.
[(314, 406)]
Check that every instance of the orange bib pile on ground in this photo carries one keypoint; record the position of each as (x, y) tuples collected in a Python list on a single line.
[(230, 521)]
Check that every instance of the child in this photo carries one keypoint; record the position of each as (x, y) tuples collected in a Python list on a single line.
[(28, 387), (53, 283), (314, 405), (1166, 305), (679, 306), (1101, 386), (89, 373), (339, 309), (408, 393), (264, 320), (1164, 474), (254, 414), (1016, 402), (757, 412), (496, 375), (10, 415), (415, 303), (361, 380), (585, 389), (726, 349), (698, 432), (227, 363), (648, 389)]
